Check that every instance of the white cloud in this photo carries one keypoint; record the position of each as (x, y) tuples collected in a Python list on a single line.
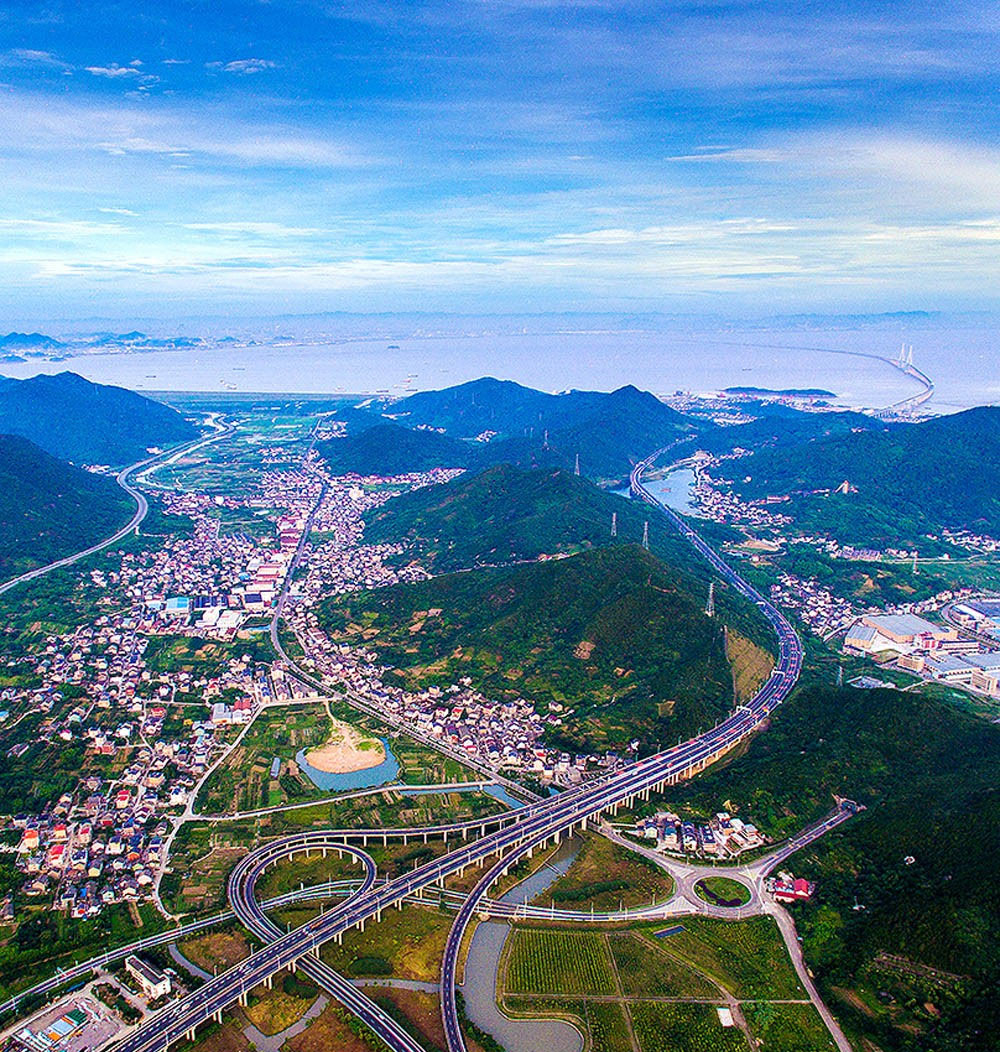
[(745, 155), (253, 229), (59, 128), (245, 66), (58, 228), (114, 71), (22, 56)]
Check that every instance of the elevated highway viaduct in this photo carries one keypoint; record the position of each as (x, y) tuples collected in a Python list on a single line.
[(537, 824)]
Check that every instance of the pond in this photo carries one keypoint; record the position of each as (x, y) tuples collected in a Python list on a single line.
[(386, 771), (676, 490)]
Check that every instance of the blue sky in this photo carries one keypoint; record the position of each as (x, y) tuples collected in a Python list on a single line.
[(165, 158)]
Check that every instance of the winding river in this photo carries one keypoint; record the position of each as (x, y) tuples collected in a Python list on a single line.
[(480, 985)]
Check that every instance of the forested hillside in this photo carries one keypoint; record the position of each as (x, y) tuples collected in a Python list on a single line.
[(49, 509)]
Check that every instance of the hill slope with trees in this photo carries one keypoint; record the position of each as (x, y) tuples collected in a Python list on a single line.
[(613, 633), (910, 479), (50, 509), (87, 423), (921, 860), (388, 449)]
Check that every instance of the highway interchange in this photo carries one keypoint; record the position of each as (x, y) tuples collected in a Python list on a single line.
[(538, 823), (504, 839)]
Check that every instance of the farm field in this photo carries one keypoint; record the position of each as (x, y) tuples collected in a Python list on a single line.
[(787, 1027), (646, 970), (625, 989), (559, 962), (747, 957), (661, 1027)]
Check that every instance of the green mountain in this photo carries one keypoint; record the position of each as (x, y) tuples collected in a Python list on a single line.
[(910, 479), (487, 404), (609, 435), (780, 427), (607, 432), (49, 509), (87, 423), (388, 449), (613, 633), (508, 514), (503, 514), (920, 862)]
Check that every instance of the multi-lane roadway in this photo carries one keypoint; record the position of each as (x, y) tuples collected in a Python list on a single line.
[(537, 823)]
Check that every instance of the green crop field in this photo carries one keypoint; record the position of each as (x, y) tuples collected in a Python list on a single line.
[(747, 957), (645, 971), (559, 962), (683, 1028), (608, 1028), (787, 1027)]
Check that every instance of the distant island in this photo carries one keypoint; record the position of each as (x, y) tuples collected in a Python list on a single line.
[(787, 392)]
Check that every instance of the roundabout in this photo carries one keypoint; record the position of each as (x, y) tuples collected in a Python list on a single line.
[(723, 892)]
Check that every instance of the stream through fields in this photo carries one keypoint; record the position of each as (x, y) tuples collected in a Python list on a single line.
[(480, 986)]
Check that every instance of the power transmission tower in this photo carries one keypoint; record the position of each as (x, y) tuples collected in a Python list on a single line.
[(710, 605), (840, 675), (645, 535), (576, 469), (914, 562), (614, 524)]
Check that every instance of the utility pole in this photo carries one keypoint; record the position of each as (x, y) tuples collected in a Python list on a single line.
[(645, 535)]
